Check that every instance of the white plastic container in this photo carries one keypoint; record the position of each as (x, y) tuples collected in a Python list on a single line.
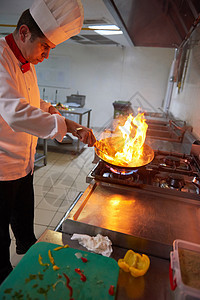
[(183, 276)]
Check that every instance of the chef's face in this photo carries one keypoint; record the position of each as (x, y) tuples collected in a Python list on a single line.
[(37, 50)]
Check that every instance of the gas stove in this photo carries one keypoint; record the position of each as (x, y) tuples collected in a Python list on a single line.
[(171, 173)]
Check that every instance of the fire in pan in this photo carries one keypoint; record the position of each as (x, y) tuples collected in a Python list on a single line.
[(125, 148)]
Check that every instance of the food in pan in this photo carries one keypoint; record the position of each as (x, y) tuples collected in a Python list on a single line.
[(125, 146)]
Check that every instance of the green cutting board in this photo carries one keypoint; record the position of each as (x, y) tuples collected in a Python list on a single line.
[(30, 280)]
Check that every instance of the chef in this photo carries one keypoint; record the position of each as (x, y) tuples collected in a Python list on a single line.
[(24, 116)]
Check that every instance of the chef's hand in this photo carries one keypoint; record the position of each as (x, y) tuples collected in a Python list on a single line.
[(53, 110), (83, 133)]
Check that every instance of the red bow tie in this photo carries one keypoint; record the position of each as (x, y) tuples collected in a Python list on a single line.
[(13, 46)]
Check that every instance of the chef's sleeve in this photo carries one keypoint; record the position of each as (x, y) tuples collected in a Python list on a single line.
[(22, 116)]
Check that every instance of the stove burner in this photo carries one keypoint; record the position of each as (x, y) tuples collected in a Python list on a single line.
[(196, 181), (191, 188), (172, 161), (122, 172), (169, 181), (176, 181), (169, 173)]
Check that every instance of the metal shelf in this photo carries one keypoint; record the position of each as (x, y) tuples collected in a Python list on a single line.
[(40, 156)]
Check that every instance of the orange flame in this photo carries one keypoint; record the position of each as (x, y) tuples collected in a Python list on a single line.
[(132, 145), (125, 146)]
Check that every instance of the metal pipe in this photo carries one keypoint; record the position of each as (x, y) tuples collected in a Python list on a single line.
[(56, 96)]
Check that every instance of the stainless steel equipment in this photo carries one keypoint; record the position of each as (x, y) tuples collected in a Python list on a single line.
[(169, 173), (144, 209), (169, 131), (76, 99), (152, 203), (153, 219)]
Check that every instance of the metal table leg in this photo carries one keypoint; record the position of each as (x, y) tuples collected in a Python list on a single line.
[(45, 152), (39, 156), (78, 143), (88, 120)]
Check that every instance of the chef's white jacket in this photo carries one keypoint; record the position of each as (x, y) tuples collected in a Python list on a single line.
[(23, 117)]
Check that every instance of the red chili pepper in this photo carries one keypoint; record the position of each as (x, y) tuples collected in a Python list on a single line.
[(111, 290), (84, 259), (78, 271), (67, 284), (83, 277)]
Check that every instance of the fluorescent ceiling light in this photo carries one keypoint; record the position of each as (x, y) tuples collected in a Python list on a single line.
[(108, 32), (106, 29)]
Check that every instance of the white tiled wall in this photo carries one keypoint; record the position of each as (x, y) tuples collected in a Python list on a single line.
[(108, 74)]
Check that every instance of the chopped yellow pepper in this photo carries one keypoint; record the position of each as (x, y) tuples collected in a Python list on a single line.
[(40, 261), (61, 247), (55, 268), (134, 263), (51, 257)]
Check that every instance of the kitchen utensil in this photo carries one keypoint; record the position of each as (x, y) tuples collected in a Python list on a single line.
[(134, 164), (99, 150)]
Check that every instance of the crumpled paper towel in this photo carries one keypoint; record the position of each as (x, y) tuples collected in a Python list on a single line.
[(98, 244)]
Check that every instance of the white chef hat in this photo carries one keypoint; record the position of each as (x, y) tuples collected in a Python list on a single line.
[(58, 19)]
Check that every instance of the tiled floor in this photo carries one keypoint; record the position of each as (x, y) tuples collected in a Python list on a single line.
[(56, 186)]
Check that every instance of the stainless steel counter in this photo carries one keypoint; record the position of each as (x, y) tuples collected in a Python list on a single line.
[(147, 222), (153, 218)]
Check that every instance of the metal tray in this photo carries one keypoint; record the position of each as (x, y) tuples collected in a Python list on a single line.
[(152, 220)]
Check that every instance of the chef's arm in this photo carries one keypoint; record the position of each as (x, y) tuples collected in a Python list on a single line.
[(20, 115), (47, 107), (83, 133)]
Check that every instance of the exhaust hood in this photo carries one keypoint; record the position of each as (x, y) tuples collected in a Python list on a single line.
[(155, 23)]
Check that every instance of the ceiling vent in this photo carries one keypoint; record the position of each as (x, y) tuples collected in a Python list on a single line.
[(95, 22), (93, 39), (4, 33)]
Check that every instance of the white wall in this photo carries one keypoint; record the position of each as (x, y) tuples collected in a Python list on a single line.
[(106, 74), (186, 104)]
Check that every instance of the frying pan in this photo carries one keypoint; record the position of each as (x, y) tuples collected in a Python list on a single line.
[(147, 157)]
